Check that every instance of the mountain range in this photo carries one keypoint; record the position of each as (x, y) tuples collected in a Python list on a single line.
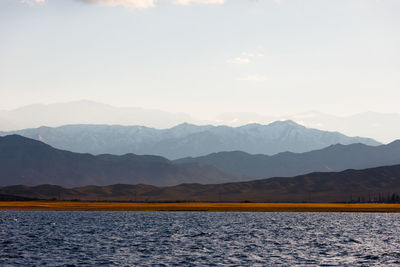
[(350, 185), (384, 127), (186, 140), (330, 159), (31, 169), (31, 162)]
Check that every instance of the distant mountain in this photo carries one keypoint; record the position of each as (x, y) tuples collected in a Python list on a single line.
[(189, 140), (83, 112), (384, 127), (333, 158), (6, 125), (30, 162), (350, 185)]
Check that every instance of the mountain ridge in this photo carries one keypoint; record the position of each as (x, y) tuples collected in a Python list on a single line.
[(31, 162), (188, 139), (383, 127), (336, 157)]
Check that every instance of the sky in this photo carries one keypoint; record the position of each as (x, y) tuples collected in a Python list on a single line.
[(203, 57)]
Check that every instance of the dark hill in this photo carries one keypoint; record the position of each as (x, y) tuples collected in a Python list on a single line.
[(333, 158), (30, 162), (364, 185)]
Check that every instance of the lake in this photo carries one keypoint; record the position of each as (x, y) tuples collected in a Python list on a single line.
[(95, 238)]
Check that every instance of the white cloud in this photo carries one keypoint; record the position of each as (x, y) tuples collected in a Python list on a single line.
[(187, 2), (33, 2), (253, 78), (252, 55), (239, 60), (136, 4), (244, 58)]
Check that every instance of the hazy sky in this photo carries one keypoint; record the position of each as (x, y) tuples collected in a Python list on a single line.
[(203, 56)]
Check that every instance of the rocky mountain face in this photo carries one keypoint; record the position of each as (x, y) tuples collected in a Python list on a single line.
[(187, 140)]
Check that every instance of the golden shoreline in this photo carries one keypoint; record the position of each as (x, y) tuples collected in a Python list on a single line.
[(197, 206)]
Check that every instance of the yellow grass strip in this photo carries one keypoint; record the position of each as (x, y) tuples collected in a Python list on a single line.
[(250, 207)]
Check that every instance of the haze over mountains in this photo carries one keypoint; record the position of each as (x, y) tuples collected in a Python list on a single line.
[(330, 159), (86, 112), (379, 126), (206, 162), (188, 140)]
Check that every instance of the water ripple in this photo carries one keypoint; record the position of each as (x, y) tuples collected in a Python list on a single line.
[(61, 238)]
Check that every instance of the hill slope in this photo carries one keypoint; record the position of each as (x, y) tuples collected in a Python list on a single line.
[(333, 158), (187, 140), (365, 185), (30, 162)]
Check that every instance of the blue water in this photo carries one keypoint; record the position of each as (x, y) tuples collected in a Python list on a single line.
[(63, 238)]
